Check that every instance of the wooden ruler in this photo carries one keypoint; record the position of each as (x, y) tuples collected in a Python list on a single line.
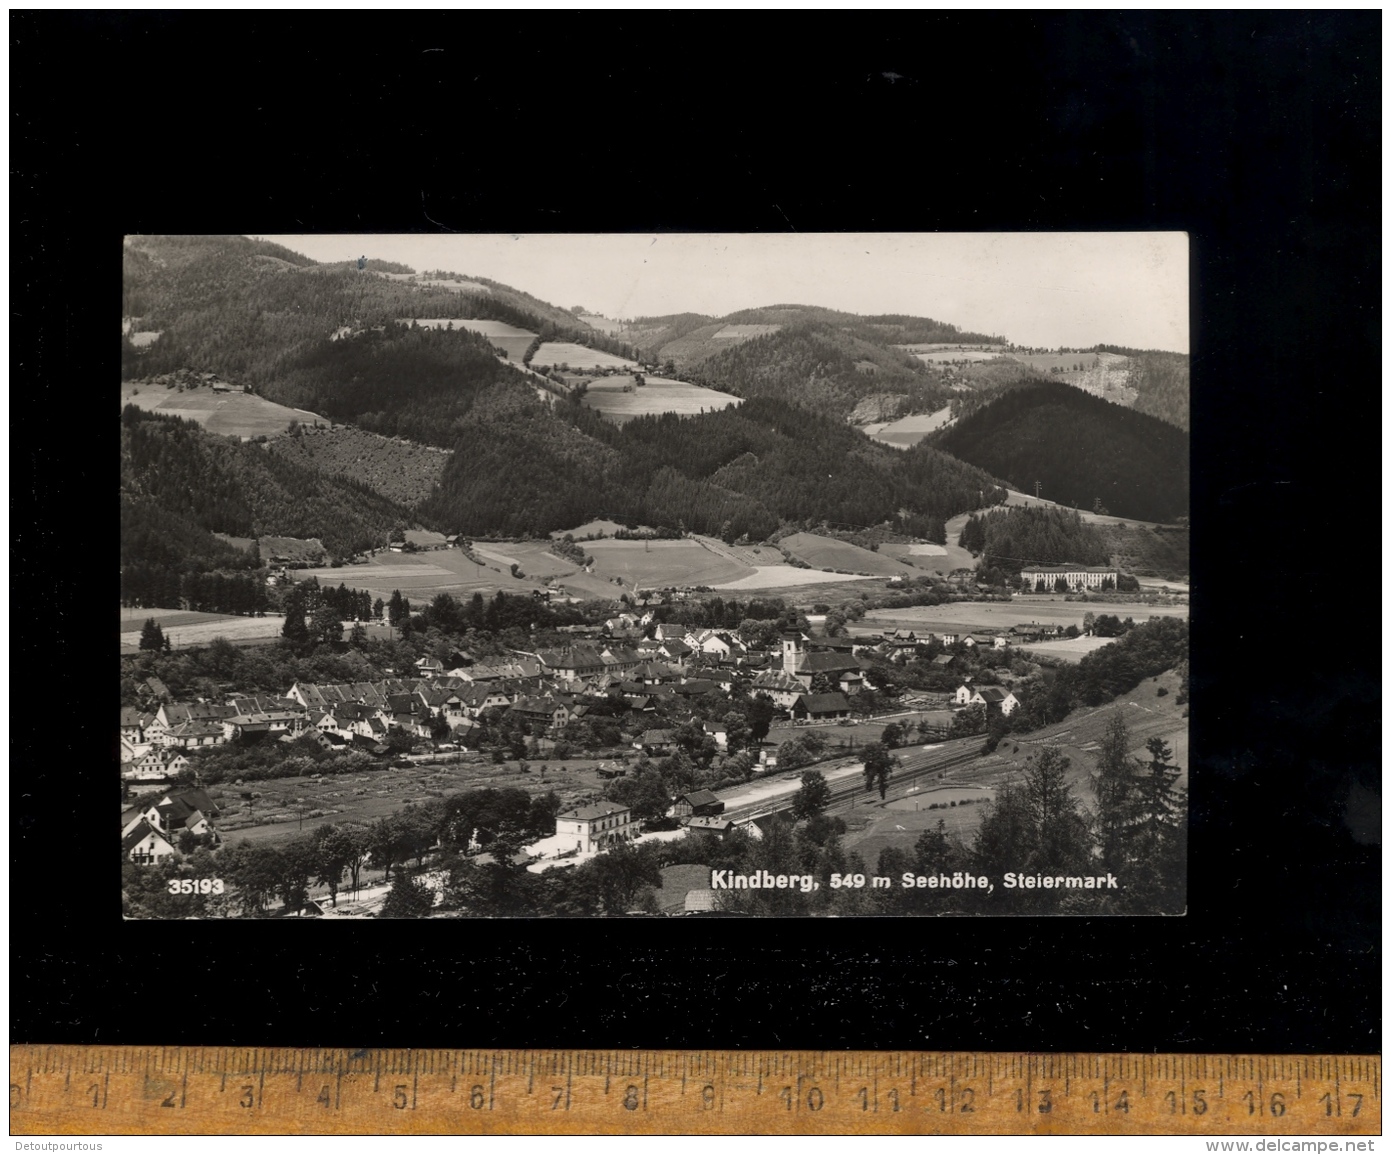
[(239, 1091)]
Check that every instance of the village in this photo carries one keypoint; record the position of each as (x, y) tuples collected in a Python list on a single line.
[(737, 712)]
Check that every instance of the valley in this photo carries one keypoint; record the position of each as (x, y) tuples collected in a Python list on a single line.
[(420, 571)]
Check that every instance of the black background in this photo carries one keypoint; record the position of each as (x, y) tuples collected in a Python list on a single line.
[(1258, 133)]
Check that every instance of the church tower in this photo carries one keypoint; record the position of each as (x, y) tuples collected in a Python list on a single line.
[(792, 652)]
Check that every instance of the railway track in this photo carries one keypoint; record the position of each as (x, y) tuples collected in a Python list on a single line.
[(913, 766)]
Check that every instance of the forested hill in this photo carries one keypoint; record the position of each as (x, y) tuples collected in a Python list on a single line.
[(180, 485), (1082, 449), (687, 339), (745, 471), (822, 368), (260, 315)]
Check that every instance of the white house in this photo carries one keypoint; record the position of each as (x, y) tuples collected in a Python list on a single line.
[(593, 828), (145, 845)]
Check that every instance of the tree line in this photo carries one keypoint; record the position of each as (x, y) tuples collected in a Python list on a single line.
[(1007, 539)]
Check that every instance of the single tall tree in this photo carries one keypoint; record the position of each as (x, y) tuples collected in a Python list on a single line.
[(1114, 785), (878, 765), (813, 797), (152, 636)]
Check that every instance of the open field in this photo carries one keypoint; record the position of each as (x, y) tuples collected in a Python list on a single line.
[(928, 557), (144, 340), (1154, 583), (749, 555), (274, 815), (945, 346), (938, 357), (1067, 649), (1042, 608), (657, 395), (132, 618), (802, 586), (555, 353), (777, 580), (1044, 362), (230, 414), (436, 283), (618, 565), (421, 576), (200, 633), (830, 553), (655, 564), (508, 337), (908, 431), (914, 801), (588, 528), (743, 332), (602, 324)]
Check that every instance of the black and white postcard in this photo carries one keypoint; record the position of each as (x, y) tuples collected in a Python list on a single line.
[(654, 574)]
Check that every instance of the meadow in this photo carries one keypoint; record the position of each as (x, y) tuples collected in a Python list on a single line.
[(657, 395), (950, 355), (829, 553), (229, 414), (1068, 649), (789, 580), (553, 354), (421, 576), (602, 324), (510, 338), (1045, 609), (180, 632), (1046, 362), (908, 431), (658, 564)]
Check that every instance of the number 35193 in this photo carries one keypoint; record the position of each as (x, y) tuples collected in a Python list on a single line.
[(196, 886)]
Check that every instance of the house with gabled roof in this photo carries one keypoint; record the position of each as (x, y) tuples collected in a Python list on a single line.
[(654, 741), (995, 698), (144, 845), (155, 688), (545, 710), (782, 687), (156, 764), (193, 735), (171, 811), (816, 707), (698, 803), (132, 724)]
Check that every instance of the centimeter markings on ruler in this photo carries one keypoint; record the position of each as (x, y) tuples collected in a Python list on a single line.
[(233, 1091)]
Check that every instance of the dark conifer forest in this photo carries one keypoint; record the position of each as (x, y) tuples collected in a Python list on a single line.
[(1082, 450)]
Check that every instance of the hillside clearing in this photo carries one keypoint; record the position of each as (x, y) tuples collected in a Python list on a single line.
[(607, 397), (555, 353), (908, 431), (511, 339), (228, 414)]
